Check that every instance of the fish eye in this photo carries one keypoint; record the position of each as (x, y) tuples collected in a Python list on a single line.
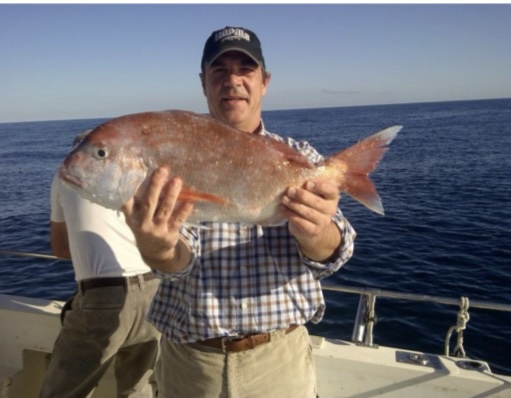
[(101, 153)]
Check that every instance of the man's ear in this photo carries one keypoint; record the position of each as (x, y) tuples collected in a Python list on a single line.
[(266, 81), (202, 82)]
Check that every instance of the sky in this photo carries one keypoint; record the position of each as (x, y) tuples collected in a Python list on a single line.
[(79, 61)]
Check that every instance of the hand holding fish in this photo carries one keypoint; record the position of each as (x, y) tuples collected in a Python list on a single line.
[(155, 219), (309, 211)]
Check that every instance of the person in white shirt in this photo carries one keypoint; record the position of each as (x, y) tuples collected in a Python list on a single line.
[(106, 322)]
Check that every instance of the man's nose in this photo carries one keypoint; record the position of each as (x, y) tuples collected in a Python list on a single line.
[(232, 79)]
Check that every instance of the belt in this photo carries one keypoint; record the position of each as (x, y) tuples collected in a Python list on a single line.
[(116, 281), (243, 343)]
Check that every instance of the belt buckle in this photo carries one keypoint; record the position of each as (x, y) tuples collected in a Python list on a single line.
[(227, 339)]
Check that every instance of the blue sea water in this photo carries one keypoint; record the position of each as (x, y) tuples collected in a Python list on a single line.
[(445, 185)]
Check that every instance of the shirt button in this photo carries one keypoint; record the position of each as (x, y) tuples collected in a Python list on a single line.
[(244, 305)]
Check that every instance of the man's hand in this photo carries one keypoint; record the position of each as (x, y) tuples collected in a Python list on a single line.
[(309, 210), (155, 219)]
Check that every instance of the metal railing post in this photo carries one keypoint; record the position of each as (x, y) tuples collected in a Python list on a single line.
[(359, 327)]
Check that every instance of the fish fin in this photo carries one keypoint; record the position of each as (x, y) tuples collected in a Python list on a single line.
[(356, 162), (362, 189), (188, 194)]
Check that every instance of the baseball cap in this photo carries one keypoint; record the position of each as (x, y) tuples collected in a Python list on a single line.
[(232, 39)]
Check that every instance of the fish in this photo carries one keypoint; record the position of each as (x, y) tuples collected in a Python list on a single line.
[(229, 175)]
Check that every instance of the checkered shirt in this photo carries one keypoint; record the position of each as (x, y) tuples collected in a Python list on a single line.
[(245, 278)]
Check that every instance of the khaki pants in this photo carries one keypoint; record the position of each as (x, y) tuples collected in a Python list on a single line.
[(105, 324), (282, 368)]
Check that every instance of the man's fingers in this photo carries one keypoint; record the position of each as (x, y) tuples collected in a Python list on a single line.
[(325, 189), (156, 184), (181, 214), (321, 196), (309, 209), (167, 201), (298, 205)]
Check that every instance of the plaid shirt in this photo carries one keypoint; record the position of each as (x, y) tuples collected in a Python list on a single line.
[(245, 278)]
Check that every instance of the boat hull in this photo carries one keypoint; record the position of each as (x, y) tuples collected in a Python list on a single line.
[(344, 369)]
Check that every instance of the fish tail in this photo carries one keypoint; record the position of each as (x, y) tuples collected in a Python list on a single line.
[(356, 162)]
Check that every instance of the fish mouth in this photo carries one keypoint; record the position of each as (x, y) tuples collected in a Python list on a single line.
[(70, 179)]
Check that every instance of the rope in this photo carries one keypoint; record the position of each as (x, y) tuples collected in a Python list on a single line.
[(461, 324)]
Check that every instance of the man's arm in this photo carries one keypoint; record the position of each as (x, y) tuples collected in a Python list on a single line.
[(58, 239)]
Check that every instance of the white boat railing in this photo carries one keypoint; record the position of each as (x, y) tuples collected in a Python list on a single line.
[(365, 320), (28, 254), (366, 313)]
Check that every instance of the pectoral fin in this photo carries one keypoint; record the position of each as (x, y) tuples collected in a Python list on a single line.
[(189, 194)]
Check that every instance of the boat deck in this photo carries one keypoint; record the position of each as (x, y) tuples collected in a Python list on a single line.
[(345, 369)]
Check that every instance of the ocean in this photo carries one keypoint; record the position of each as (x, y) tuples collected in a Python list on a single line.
[(445, 184)]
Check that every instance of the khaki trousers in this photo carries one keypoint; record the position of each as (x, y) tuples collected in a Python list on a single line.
[(105, 324), (282, 368)]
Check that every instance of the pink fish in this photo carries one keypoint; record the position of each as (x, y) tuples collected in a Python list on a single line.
[(230, 176)]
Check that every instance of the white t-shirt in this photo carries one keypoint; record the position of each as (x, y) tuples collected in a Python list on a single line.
[(101, 243)]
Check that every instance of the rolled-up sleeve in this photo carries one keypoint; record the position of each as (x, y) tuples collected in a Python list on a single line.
[(344, 252), (191, 238)]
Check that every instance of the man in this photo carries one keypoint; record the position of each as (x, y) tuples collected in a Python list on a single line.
[(234, 298), (106, 323)]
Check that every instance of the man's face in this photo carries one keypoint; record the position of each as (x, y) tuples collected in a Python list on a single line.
[(234, 86)]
